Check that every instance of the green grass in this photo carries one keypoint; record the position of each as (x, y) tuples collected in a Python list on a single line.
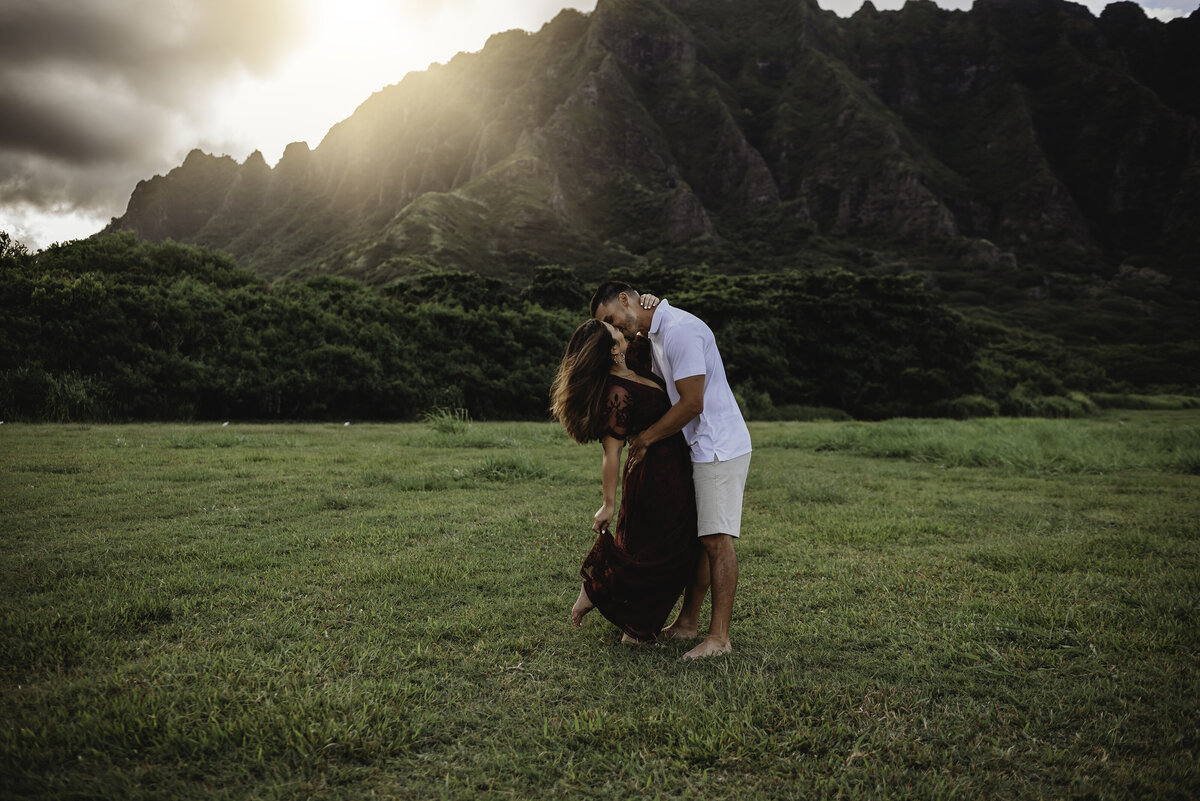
[(448, 421), (926, 609), (1033, 446)]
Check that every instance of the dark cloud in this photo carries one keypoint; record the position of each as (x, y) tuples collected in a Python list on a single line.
[(102, 91), (149, 44), (63, 125), (37, 182)]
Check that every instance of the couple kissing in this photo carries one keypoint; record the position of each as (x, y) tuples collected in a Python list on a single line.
[(644, 374)]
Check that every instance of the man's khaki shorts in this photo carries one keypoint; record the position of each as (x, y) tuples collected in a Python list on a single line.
[(719, 489)]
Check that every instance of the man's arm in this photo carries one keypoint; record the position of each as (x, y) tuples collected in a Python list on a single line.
[(687, 408)]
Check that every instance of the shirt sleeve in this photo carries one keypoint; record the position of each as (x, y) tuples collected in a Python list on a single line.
[(616, 412), (684, 350)]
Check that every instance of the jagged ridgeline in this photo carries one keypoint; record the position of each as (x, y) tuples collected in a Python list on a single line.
[(737, 133)]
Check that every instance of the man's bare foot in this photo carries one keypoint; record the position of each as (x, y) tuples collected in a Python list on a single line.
[(709, 647), (583, 605), (675, 631)]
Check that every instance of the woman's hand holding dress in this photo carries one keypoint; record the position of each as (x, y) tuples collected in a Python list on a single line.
[(603, 518)]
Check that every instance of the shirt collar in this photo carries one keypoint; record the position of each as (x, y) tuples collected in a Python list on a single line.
[(656, 320)]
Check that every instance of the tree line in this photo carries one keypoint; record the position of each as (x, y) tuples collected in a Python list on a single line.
[(116, 328)]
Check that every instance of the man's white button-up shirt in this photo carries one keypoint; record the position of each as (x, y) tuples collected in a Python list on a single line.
[(683, 347)]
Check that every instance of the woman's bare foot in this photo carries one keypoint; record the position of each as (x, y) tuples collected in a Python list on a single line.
[(627, 640), (709, 647), (583, 605), (675, 631)]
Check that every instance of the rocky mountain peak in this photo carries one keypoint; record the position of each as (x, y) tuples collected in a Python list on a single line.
[(667, 128)]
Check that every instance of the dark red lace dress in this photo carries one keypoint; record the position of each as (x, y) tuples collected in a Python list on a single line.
[(635, 575)]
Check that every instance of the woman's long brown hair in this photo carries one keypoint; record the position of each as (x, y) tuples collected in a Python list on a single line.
[(577, 394)]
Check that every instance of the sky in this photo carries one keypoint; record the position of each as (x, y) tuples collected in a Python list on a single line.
[(96, 95)]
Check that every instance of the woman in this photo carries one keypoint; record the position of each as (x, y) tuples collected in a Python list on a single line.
[(605, 391)]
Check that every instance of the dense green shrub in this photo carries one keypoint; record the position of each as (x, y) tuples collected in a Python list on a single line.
[(1125, 400), (117, 328), (874, 346), (1023, 401), (29, 392), (796, 412), (969, 406), (114, 327)]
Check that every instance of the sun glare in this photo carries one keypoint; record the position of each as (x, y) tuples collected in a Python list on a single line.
[(356, 47), (352, 48)]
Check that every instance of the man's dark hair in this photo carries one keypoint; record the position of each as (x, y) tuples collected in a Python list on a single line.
[(608, 292)]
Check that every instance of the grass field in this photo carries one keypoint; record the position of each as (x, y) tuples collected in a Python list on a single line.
[(927, 609)]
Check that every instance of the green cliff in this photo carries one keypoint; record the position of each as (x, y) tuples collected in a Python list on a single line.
[(1023, 134)]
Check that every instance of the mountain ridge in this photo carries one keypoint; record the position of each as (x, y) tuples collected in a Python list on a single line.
[(1024, 130)]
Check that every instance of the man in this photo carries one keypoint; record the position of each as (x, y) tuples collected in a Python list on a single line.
[(703, 407)]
